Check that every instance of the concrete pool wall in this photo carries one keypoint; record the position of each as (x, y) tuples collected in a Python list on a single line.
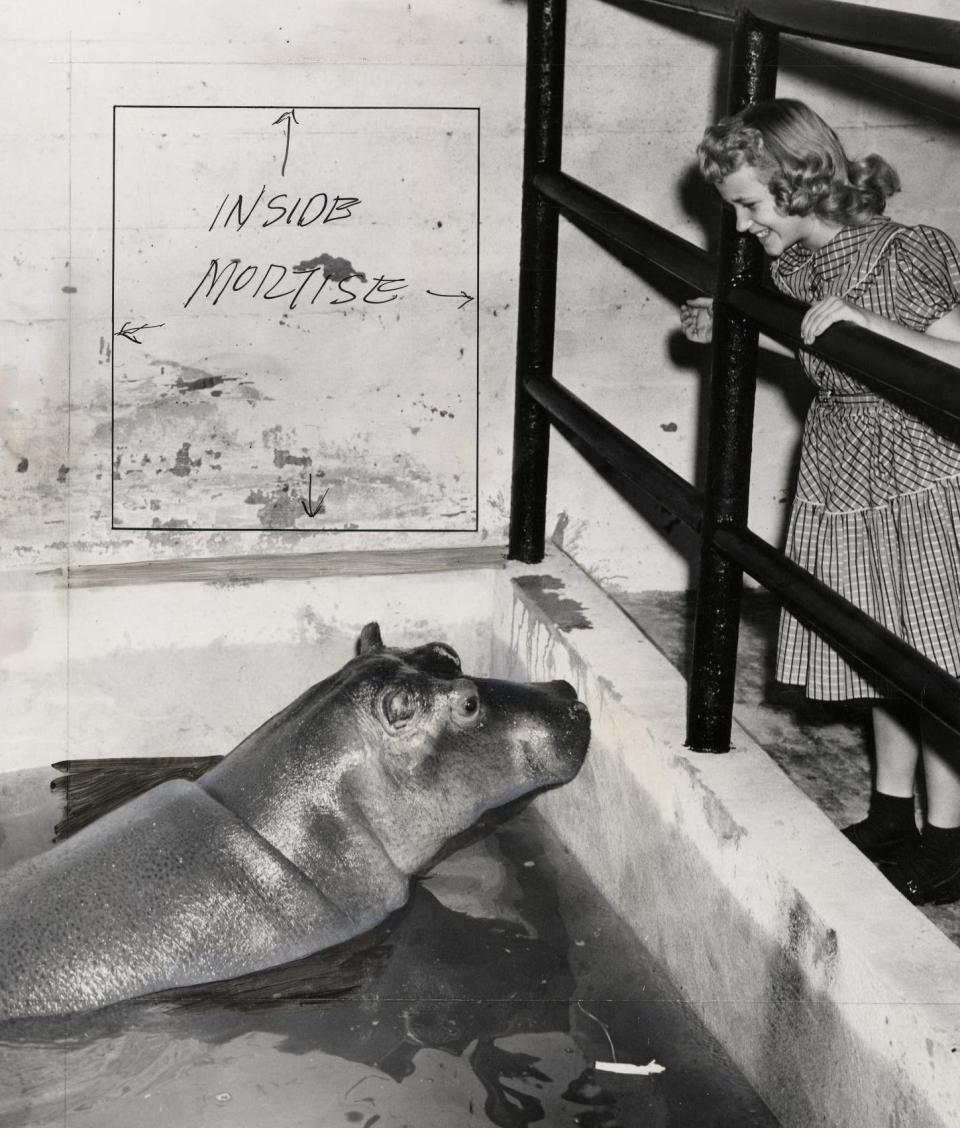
[(838, 1000)]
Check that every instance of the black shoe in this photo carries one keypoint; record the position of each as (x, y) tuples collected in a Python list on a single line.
[(925, 877), (881, 844)]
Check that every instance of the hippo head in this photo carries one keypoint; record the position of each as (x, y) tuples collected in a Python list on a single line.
[(401, 750), (449, 747)]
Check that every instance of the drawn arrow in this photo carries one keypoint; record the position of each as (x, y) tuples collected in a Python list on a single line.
[(308, 506), (130, 331), (290, 117), (463, 294)]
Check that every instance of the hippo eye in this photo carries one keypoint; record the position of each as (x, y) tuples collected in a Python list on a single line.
[(399, 707), (465, 703), (470, 705)]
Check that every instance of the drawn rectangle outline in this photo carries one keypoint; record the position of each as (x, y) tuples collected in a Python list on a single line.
[(113, 271)]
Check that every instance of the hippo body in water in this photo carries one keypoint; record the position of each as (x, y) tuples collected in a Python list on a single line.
[(306, 835)]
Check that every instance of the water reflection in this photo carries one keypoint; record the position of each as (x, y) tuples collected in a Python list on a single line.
[(461, 1009)]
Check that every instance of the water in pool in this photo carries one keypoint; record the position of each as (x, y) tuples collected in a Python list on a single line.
[(487, 1000)]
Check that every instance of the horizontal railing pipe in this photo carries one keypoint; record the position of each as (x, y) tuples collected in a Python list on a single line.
[(895, 369), (851, 630), (868, 644), (675, 255), (908, 35), (929, 39), (841, 623), (619, 451), (867, 355)]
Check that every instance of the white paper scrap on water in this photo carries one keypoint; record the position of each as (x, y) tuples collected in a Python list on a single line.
[(625, 1067)]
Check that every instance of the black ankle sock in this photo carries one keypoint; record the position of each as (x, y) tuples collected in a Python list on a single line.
[(894, 812), (943, 840)]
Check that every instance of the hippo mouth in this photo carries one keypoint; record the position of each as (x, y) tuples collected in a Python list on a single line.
[(579, 716)]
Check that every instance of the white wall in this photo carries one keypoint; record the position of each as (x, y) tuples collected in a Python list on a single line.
[(639, 92), (64, 67)]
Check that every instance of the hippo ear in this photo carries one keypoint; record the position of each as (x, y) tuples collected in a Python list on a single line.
[(370, 640), (445, 654), (436, 658)]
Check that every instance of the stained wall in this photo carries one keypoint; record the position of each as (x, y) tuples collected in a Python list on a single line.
[(231, 331), (193, 443)]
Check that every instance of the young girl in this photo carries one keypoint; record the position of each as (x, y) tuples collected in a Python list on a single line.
[(877, 509)]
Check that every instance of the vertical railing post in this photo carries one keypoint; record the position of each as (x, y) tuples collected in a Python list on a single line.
[(546, 31), (753, 75)]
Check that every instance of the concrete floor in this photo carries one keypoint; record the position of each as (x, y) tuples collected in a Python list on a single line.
[(823, 747)]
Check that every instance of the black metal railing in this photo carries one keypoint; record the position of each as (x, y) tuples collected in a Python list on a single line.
[(742, 308)]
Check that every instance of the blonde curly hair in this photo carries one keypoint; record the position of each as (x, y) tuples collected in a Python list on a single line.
[(801, 160)]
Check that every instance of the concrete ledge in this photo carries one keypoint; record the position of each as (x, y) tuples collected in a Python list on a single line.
[(181, 668), (839, 1001)]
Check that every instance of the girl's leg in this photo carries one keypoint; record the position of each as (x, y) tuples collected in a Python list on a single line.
[(941, 766), (932, 873), (896, 739), (890, 830)]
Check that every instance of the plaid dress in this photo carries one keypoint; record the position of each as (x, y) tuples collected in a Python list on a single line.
[(876, 514)]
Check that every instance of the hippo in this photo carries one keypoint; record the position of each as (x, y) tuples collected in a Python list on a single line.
[(306, 835)]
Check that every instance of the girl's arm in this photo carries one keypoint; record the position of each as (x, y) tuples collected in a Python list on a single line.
[(696, 321), (941, 340)]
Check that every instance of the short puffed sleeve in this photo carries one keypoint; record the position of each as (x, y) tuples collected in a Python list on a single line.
[(925, 276)]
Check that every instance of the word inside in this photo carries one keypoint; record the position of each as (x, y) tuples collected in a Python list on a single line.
[(318, 208)]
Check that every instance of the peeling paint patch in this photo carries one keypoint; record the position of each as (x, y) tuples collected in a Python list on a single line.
[(280, 511), (69, 289), (22, 465), (441, 412), (192, 379), (719, 819), (668, 426), (250, 392), (283, 458), (234, 581), (337, 269), (183, 462), (62, 473), (200, 383), (567, 613), (608, 689)]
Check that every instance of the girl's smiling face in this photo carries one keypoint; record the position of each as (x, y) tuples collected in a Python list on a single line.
[(757, 213)]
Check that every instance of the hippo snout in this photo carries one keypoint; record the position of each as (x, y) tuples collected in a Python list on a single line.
[(576, 710)]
